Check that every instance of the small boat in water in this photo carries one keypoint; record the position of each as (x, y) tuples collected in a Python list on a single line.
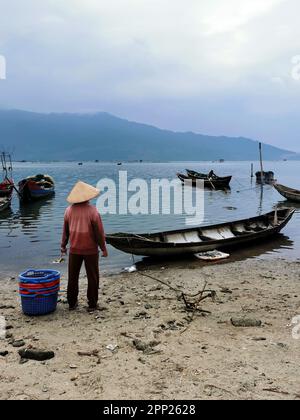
[(36, 187), (203, 239), (4, 203), (289, 193), (265, 177), (219, 183), (196, 174), (7, 185), (6, 188), (209, 177)]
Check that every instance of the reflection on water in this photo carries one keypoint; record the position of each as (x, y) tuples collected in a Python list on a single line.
[(30, 234), (259, 250)]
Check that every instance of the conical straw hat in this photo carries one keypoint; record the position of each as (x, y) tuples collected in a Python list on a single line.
[(82, 192)]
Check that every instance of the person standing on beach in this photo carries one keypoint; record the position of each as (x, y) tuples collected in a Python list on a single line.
[(83, 228)]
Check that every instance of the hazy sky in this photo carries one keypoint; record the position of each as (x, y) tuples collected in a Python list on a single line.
[(213, 66)]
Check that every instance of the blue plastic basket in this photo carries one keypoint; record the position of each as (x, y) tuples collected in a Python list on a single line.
[(39, 304), (35, 303), (39, 276), (39, 291)]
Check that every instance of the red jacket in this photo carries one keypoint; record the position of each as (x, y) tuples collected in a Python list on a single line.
[(84, 229)]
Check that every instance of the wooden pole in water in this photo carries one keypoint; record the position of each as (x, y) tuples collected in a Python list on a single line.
[(261, 163), (252, 170)]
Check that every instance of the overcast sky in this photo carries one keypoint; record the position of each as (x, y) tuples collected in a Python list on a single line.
[(210, 66)]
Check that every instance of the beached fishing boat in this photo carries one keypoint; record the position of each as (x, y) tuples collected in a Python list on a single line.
[(289, 193), (36, 187), (202, 239), (219, 183), (4, 203)]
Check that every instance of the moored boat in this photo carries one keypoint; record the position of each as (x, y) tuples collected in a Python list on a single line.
[(7, 185), (6, 188), (289, 193), (202, 239), (219, 183), (36, 187), (265, 177), (196, 174), (5, 203), (210, 175)]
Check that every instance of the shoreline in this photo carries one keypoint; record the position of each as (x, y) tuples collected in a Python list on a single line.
[(160, 353)]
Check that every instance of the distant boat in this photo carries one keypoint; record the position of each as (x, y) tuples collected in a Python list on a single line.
[(80, 163), (201, 239), (96, 161), (265, 177), (36, 187), (219, 183), (289, 193), (119, 163)]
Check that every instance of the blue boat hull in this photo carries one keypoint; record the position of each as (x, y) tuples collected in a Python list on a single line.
[(36, 188), (37, 194)]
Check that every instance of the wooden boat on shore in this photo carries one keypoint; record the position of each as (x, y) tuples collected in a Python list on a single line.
[(201, 239), (219, 183), (289, 193), (36, 187), (5, 203)]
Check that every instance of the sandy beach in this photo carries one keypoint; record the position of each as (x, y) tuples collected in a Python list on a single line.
[(144, 345)]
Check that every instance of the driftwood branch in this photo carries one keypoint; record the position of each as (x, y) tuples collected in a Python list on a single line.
[(191, 301)]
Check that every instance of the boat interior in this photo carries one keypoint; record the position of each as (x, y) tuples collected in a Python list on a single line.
[(289, 190), (230, 230)]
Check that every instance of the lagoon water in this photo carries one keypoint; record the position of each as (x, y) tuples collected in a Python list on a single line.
[(30, 235)]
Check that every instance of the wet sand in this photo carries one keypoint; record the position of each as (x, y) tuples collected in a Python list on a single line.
[(160, 352)]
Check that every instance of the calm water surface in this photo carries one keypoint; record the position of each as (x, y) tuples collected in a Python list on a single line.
[(30, 235)]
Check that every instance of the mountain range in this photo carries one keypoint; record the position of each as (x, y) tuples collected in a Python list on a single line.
[(36, 136)]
